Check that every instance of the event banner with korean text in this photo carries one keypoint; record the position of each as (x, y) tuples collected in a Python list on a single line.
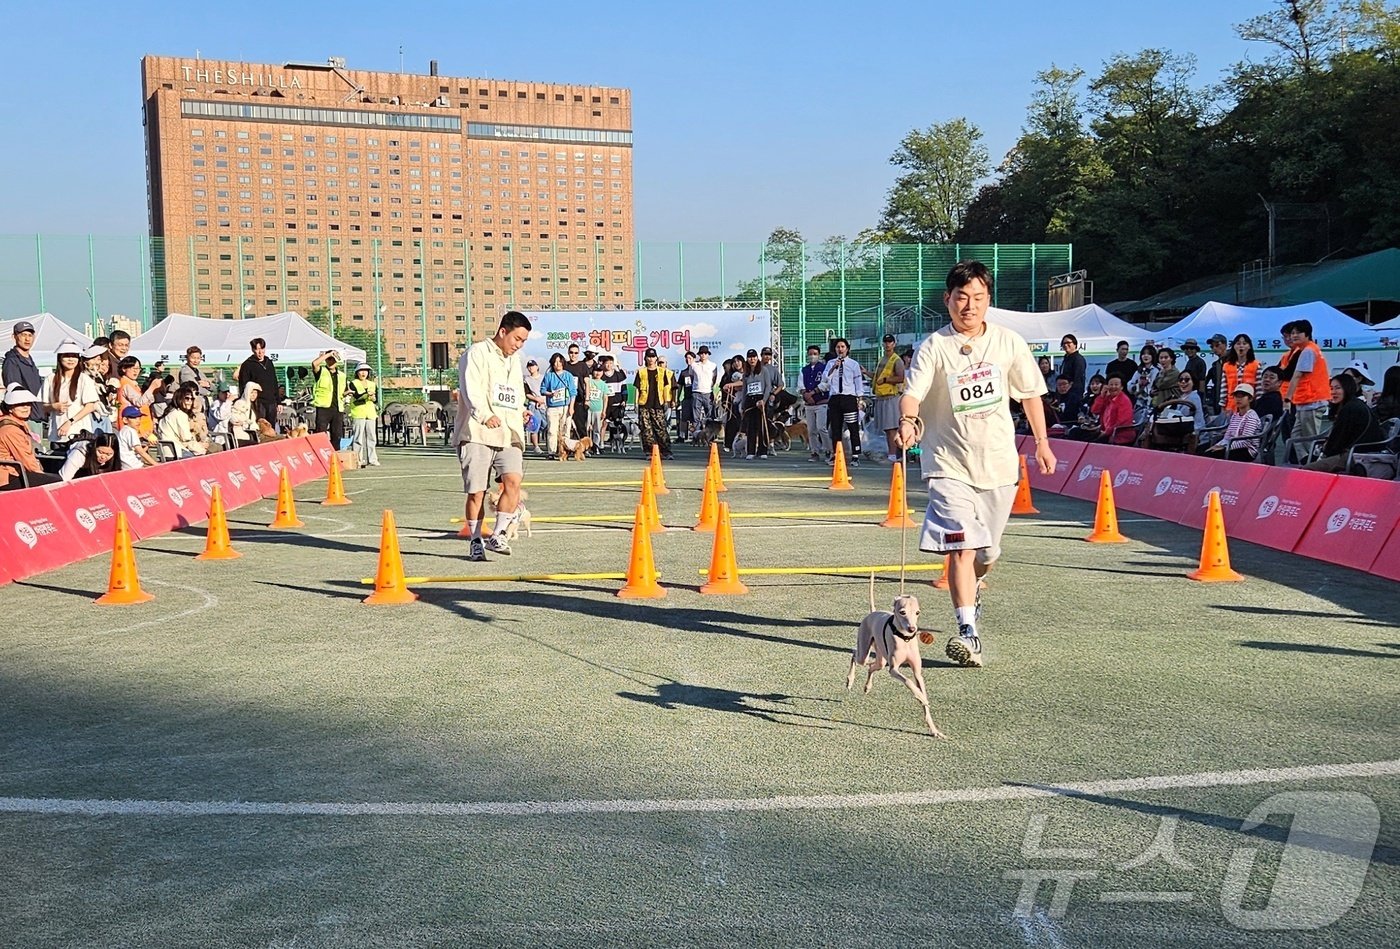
[(627, 334)]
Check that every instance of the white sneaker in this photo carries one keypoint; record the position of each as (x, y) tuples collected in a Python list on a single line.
[(763, 456), (497, 545), (476, 553), (748, 457), (965, 648)]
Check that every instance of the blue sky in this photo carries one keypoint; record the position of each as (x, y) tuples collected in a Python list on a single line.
[(747, 116)]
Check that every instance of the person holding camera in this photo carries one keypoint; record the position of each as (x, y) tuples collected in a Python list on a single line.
[(328, 396), (364, 412)]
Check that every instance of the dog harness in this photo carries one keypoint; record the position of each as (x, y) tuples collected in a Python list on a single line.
[(890, 628)]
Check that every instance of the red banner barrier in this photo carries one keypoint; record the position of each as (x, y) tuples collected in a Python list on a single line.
[(1387, 563), (263, 462), (87, 510), (33, 537), (1158, 483), (1067, 455), (160, 499), (1353, 523), (1235, 480), (1083, 480), (321, 444), (229, 470), (1282, 506)]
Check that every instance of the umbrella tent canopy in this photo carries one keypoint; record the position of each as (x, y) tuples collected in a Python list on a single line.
[(1097, 330), (49, 331), (1332, 329), (289, 337)]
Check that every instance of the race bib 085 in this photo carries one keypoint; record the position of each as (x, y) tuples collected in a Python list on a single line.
[(506, 396)]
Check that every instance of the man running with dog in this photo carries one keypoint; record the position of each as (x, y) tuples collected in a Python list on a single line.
[(490, 429), (956, 408)]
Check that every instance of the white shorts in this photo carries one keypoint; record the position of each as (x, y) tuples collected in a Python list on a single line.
[(961, 517), (481, 462)]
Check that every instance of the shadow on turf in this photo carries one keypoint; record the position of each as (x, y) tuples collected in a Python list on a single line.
[(674, 695), (1321, 649), (1274, 833), (1315, 614)]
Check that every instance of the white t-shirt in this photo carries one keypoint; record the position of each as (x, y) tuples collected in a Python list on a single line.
[(87, 394), (705, 373), (128, 440), (965, 407)]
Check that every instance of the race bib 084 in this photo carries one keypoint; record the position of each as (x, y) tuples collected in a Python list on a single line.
[(976, 391)]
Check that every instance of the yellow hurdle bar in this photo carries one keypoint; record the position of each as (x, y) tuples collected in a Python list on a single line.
[(600, 518), (750, 571)]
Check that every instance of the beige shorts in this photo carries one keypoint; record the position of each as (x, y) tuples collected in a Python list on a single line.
[(961, 517), (481, 464)]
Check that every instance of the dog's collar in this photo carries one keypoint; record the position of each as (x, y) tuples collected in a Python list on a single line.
[(890, 627)]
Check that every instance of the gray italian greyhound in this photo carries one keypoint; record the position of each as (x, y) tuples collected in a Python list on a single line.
[(888, 640)]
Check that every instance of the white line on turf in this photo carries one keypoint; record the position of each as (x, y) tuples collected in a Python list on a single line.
[(210, 601), (829, 802)]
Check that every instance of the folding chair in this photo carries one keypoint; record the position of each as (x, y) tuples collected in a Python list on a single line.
[(1380, 459)]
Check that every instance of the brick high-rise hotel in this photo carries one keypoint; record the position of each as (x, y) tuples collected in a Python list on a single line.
[(446, 200)]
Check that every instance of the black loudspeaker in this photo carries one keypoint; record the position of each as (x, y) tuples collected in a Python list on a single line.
[(439, 356)]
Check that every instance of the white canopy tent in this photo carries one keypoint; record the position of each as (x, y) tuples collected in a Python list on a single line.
[(1332, 329), (290, 340), (49, 331), (1097, 330), (1389, 326)]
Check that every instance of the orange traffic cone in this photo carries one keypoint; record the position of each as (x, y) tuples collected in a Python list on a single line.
[(1106, 517), (123, 585), (840, 479), (641, 568), (335, 487), (897, 513), (1215, 554), (649, 503), (658, 480), (389, 586), (940, 582), (709, 506), (714, 466), (1022, 504), (286, 504), (216, 544), (724, 565)]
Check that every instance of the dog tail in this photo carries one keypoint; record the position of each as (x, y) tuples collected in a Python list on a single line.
[(872, 591)]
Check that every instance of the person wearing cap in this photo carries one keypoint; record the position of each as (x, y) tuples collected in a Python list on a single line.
[(131, 447), (1195, 365), (71, 397), (752, 404), (1361, 372), (19, 368), (704, 374), (364, 413), (95, 366), (535, 402), (328, 396), (1241, 439), (16, 442), (1213, 394), (888, 387), (654, 383)]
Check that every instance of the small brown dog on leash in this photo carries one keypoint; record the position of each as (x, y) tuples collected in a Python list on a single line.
[(578, 448), (888, 640), (799, 430)]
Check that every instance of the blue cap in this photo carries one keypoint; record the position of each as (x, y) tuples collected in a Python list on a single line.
[(131, 411)]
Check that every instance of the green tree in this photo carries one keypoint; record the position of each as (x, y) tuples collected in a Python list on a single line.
[(942, 166), (350, 334)]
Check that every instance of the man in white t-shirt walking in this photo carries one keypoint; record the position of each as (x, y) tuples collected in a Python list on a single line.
[(490, 429), (959, 386)]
